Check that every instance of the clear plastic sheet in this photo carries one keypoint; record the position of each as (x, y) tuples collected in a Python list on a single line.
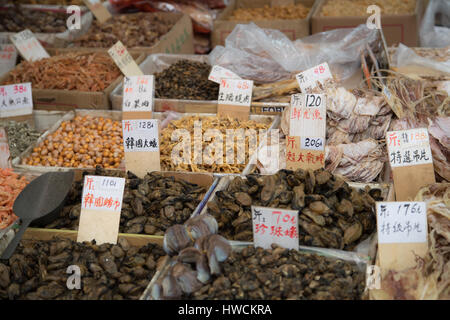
[(406, 56), (431, 35), (250, 49)]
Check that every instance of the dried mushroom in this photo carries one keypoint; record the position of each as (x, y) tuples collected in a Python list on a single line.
[(18, 18), (331, 213), (150, 205), (38, 270)]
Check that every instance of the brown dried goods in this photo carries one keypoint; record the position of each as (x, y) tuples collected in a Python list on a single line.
[(339, 8), (150, 205), (92, 72), (133, 30), (187, 80), (37, 270), (331, 213), (280, 273), (297, 11), (17, 18)]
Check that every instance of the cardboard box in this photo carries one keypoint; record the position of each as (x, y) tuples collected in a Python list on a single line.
[(396, 28), (293, 29), (55, 99), (179, 39)]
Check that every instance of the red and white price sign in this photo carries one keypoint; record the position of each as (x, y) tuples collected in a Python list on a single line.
[(236, 92), (271, 225), (140, 135), (307, 80), (8, 58), (28, 46), (124, 60), (103, 193), (16, 100), (218, 73), (138, 93), (409, 147)]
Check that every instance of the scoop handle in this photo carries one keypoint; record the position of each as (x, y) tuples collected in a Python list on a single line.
[(15, 241)]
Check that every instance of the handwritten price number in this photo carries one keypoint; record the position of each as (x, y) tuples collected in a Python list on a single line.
[(407, 207), (316, 143), (242, 85), (109, 183), (313, 100), (319, 70), (286, 217), (23, 36), (3, 92), (145, 125), (19, 89)]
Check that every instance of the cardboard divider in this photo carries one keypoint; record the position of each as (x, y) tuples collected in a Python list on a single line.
[(409, 180)]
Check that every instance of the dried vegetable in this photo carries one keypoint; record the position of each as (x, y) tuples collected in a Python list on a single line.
[(221, 124), (37, 270), (339, 8), (150, 205), (294, 11), (83, 142), (133, 30), (430, 279), (91, 72), (186, 80), (17, 18), (11, 184), (331, 213), (20, 137)]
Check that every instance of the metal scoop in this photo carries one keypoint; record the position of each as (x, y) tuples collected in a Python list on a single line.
[(40, 202)]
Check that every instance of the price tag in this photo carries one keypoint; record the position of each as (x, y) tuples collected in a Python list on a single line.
[(411, 161), (235, 97), (271, 225), (218, 73), (98, 10), (100, 209), (124, 60), (307, 80), (16, 100), (402, 233), (4, 150), (8, 58), (28, 46), (141, 145), (138, 93), (305, 147)]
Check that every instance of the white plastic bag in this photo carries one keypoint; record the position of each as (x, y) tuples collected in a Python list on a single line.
[(406, 56), (435, 36)]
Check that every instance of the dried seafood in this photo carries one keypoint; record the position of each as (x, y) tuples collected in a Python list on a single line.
[(280, 273), (186, 80), (11, 184), (331, 213), (91, 72), (133, 30), (293, 11), (249, 129), (20, 137), (17, 18), (37, 270), (150, 205), (339, 8), (430, 279)]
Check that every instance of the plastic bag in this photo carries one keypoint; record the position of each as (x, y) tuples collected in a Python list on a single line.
[(249, 50), (406, 56), (431, 35)]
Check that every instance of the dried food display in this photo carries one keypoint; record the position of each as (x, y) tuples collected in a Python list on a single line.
[(20, 137), (339, 8), (59, 2), (133, 30), (289, 12), (209, 163), (17, 18), (150, 205), (187, 80), (11, 184), (83, 142), (91, 72), (331, 213), (37, 270)]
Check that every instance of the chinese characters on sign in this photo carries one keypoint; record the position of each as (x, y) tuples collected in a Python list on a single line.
[(296, 154), (307, 80), (28, 46), (124, 60), (408, 147), (8, 57), (140, 135), (235, 92), (98, 10), (16, 100), (401, 222), (218, 73), (103, 193), (138, 93), (279, 226)]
